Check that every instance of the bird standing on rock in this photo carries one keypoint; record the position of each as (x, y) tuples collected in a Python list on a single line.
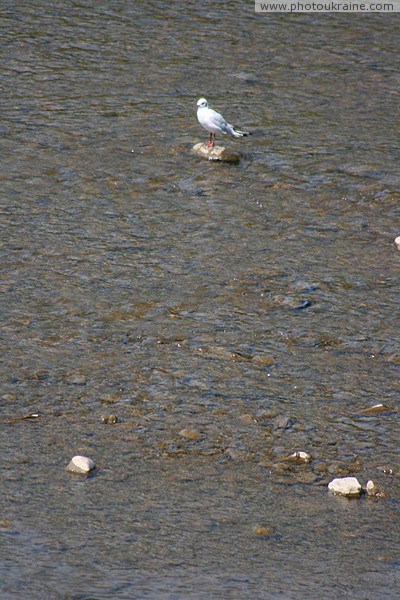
[(214, 122)]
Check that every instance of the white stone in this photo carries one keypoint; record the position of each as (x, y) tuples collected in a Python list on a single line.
[(301, 456), (397, 242), (345, 486), (80, 464)]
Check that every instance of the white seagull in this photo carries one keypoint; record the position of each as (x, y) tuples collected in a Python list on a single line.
[(214, 122)]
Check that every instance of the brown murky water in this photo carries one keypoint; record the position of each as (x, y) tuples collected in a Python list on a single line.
[(227, 315)]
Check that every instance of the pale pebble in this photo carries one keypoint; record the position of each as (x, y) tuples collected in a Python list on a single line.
[(345, 486), (301, 456), (80, 464)]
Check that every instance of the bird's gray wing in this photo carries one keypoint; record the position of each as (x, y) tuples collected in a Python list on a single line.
[(217, 120)]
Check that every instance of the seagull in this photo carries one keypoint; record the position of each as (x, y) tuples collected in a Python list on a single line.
[(214, 122)]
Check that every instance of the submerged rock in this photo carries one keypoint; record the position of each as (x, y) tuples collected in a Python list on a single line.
[(80, 464), (189, 434), (262, 530), (216, 153), (283, 422), (345, 486), (263, 359), (75, 379), (249, 419)]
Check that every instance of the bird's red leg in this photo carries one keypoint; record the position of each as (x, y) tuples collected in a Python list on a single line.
[(213, 140), (210, 144)]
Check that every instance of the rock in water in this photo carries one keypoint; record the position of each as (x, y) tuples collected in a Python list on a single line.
[(216, 153), (81, 465), (190, 434), (373, 490), (377, 408), (345, 486), (301, 456)]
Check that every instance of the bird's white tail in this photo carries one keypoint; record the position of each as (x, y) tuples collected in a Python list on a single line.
[(238, 133)]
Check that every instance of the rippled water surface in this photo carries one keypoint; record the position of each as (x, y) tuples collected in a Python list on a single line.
[(228, 315)]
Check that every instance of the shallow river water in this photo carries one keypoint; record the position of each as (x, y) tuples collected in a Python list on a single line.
[(227, 315)]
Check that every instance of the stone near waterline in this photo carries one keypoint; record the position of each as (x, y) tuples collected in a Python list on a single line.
[(283, 422), (397, 242), (263, 531), (303, 457), (373, 490), (30, 416), (377, 408), (189, 434), (345, 486), (216, 153), (75, 379), (5, 524), (81, 465), (246, 418), (263, 359), (109, 419)]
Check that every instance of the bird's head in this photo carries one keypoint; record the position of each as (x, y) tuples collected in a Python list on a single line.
[(202, 103)]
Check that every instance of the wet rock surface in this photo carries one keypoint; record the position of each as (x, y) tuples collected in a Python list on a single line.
[(345, 486), (81, 465), (217, 153), (107, 419)]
